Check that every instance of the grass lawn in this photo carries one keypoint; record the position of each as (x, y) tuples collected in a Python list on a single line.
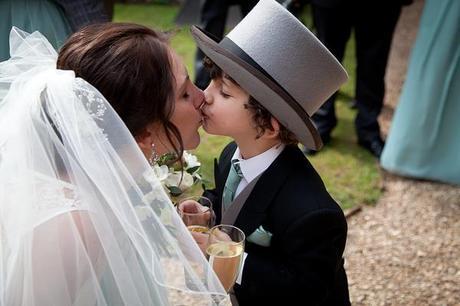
[(351, 174)]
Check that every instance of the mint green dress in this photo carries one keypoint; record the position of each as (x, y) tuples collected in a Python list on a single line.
[(424, 139), (32, 15)]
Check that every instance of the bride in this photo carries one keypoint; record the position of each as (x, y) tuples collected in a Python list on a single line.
[(83, 218)]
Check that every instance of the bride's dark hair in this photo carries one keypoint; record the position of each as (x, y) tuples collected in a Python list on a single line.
[(131, 66)]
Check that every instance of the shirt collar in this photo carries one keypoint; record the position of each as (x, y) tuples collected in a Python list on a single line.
[(252, 167)]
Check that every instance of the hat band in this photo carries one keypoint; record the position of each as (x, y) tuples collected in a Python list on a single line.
[(229, 45)]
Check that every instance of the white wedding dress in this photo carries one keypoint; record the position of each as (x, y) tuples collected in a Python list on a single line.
[(83, 218)]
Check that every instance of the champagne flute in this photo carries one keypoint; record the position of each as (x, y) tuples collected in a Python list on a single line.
[(225, 250), (196, 213)]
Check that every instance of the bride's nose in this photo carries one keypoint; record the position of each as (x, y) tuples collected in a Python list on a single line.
[(198, 100)]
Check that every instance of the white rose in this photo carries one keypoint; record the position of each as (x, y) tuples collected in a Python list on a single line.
[(191, 160), (174, 179), (166, 216), (161, 171), (157, 194), (143, 212), (187, 181)]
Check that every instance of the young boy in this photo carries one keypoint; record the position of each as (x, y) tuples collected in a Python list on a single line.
[(269, 75)]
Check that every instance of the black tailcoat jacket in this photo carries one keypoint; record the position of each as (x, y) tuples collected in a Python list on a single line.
[(303, 264)]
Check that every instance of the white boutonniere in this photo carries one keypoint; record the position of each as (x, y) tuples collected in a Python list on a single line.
[(175, 177)]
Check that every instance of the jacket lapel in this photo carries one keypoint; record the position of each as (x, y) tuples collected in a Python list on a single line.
[(254, 211), (221, 171)]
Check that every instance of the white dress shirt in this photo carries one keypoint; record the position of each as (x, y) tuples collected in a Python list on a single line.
[(254, 166), (251, 168)]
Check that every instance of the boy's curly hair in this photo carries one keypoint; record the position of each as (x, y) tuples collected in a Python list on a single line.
[(260, 115)]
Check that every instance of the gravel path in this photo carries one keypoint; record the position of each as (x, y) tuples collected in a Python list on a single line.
[(406, 249)]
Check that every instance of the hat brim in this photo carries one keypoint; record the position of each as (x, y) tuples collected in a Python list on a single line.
[(267, 92)]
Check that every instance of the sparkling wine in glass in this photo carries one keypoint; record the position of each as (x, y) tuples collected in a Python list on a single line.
[(225, 250)]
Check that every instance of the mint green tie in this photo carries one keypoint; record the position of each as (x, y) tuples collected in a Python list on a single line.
[(234, 177)]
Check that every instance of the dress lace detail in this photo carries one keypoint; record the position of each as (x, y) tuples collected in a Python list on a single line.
[(55, 197)]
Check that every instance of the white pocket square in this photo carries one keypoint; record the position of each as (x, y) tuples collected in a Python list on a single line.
[(260, 237)]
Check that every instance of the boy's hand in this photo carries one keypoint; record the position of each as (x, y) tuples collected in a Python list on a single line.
[(202, 240), (219, 235), (191, 207)]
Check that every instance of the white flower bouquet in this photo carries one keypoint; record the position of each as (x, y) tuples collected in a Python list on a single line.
[(175, 177)]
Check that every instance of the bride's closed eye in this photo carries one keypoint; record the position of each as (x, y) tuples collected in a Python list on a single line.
[(185, 94)]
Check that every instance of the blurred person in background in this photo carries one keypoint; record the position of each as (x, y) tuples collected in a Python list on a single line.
[(83, 12), (424, 141), (373, 23), (55, 19), (213, 20)]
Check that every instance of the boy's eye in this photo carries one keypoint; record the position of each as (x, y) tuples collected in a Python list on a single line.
[(224, 95), (185, 95)]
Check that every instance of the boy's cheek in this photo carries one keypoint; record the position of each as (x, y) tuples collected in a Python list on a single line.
[(215, 127), (208, 126)]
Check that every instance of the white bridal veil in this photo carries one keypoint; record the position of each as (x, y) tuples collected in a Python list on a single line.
[(83, 218)]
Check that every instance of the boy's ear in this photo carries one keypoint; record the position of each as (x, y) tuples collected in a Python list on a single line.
[(275, 130)]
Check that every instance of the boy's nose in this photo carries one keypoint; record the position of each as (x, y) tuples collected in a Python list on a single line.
[(207, 96)]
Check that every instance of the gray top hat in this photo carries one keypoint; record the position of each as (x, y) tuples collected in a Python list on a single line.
[(279, 62)]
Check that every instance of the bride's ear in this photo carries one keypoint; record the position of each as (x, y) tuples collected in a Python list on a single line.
[(145, 140), (152, 138)]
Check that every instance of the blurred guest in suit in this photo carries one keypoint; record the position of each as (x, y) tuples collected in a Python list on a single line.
[(84, 12), (373, 23), (213, 21)]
